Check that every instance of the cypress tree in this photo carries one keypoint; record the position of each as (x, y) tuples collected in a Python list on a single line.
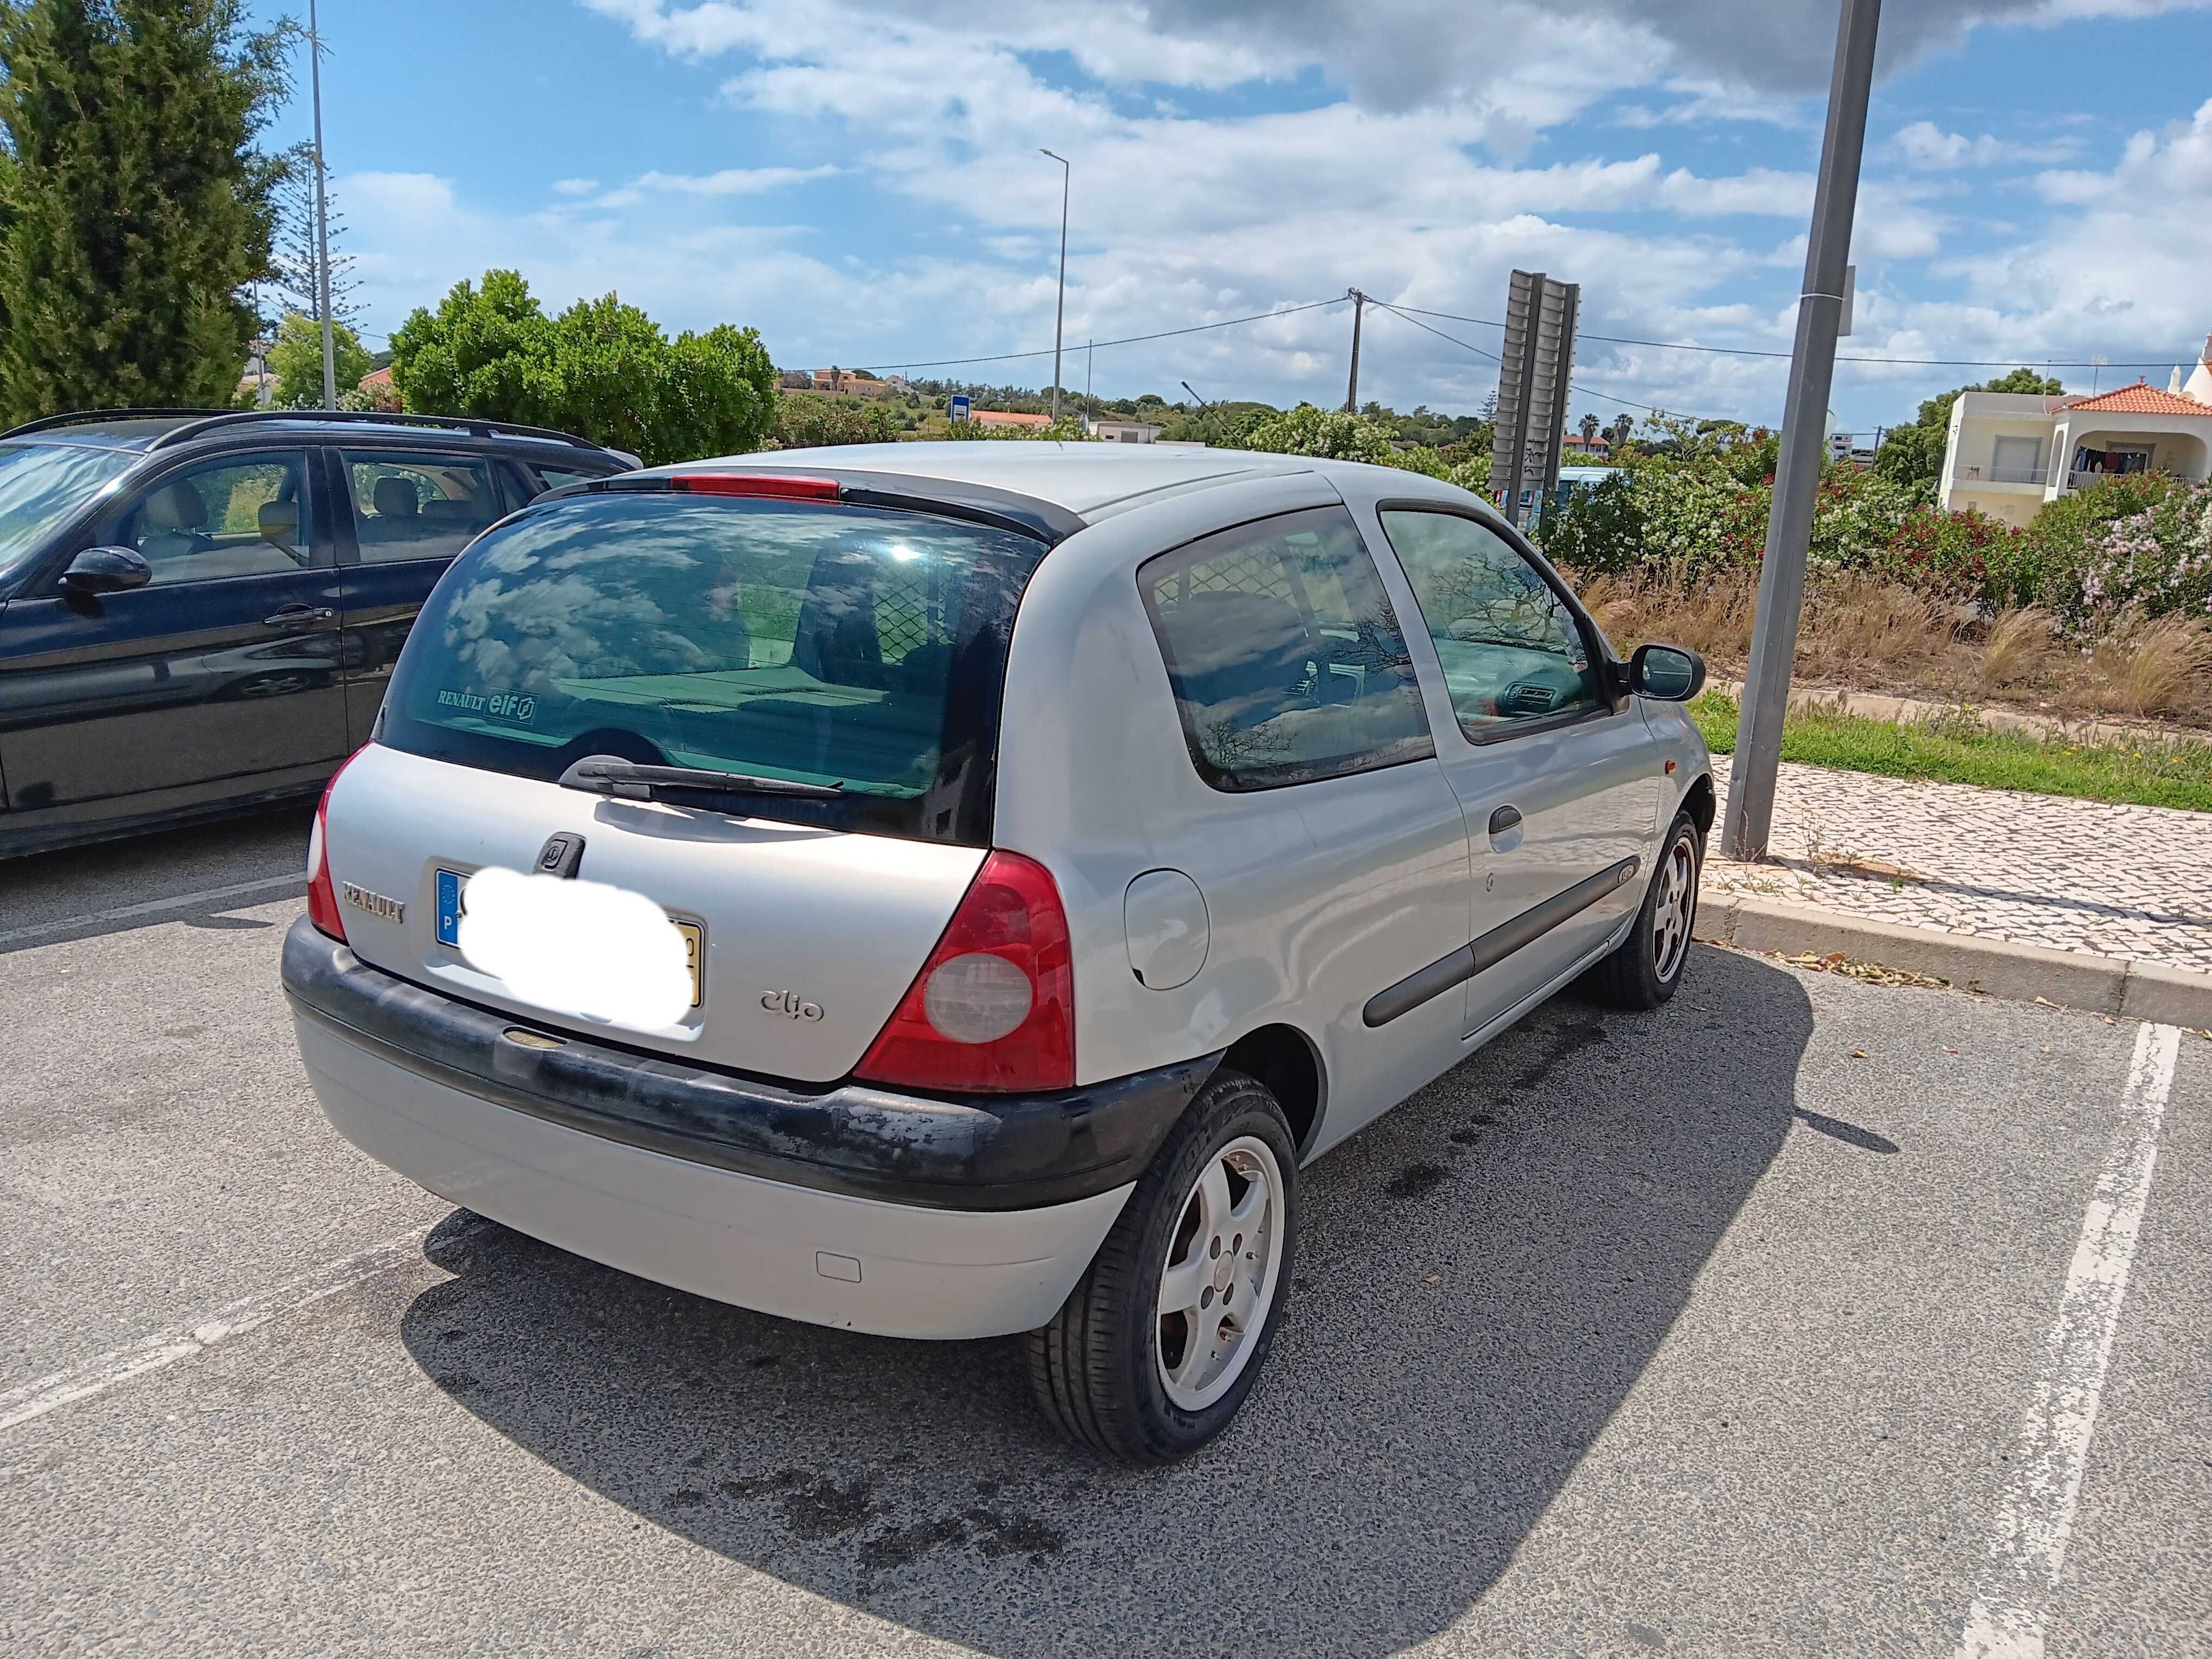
[(134, 205)]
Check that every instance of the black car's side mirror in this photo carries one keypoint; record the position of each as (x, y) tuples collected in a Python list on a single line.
[(1672, 673), (107, 570)]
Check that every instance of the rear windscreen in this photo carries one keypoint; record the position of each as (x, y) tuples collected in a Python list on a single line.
[(829, 644)]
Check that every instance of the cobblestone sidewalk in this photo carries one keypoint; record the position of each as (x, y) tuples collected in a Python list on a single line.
[(2133, 883)]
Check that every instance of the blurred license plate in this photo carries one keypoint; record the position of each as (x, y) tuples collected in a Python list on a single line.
[(453, 884)]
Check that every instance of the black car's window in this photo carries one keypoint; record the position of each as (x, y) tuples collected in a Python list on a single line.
[(1286, 661), (1511, 649), (41, 485), (421, 505), (553, 477), (248, 515), (800, 640)]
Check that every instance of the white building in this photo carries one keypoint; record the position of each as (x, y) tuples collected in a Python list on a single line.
[(2008, 454), (1122, 430)]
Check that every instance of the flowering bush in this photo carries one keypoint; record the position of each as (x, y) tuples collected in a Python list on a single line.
[(1307, 430), (2155, 562)]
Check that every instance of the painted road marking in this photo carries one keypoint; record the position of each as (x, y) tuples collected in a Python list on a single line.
[(153, 907), (2035, 1515), (165, 1348)]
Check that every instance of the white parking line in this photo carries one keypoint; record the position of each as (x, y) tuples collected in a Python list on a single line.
[(37, 1397), (2035, 1516), (153, 907)]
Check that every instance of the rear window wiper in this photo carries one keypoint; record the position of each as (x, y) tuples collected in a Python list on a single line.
[(609, 775)]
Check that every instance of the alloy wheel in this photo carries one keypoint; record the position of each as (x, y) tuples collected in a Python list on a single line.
[(1220, 1276)]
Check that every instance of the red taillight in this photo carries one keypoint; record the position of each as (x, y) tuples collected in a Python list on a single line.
[(994, 1008), (322, 896), (781, 486)]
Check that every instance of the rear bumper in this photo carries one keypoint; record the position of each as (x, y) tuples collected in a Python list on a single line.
[(862, 1264), (854, 1207)]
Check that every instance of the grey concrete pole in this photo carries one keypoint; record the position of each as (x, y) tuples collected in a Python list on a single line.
[(322, 218), (1060, 310), (1358, 310), (1750, 815)]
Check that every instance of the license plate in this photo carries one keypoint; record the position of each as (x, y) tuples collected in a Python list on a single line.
[(452, 885)]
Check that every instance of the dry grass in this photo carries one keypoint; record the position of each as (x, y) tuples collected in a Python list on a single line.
[(1861, 635), (2019, 646), (2148, 668), (1854, 626)]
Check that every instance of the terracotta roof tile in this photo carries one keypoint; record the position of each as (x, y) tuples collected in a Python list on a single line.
[(2141, 398)]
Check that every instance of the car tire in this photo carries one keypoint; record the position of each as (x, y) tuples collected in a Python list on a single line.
[(1117, 1368), (1644, 971)]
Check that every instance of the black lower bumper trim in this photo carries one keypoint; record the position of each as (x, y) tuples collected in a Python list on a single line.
[(983, 1152)]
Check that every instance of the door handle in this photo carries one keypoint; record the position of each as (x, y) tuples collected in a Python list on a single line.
[(1504, 818), (292, 616)]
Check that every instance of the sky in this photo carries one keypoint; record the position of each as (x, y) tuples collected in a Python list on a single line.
[(860, 180)]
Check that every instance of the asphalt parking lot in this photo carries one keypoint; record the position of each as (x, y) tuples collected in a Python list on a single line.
[(1788, 1319)]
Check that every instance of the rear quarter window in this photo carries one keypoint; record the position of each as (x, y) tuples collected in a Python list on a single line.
[(824, 643), (1287, 662)]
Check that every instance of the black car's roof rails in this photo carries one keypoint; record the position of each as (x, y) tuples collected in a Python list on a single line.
[(197, 421), (88, 416), (475, 428)]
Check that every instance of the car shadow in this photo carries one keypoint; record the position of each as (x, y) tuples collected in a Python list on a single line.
[(1484, 1274)]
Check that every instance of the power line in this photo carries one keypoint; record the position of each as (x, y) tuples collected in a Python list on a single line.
[(1134, 339), (1598, 393), (1748, 351)]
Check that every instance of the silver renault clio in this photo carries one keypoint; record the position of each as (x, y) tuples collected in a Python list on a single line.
[(951, 891)]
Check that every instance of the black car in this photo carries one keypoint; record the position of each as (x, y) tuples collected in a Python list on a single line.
[(198, 610)]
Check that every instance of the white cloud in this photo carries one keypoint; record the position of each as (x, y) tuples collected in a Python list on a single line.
[(576, 186), (1930, 147), (732, 181)]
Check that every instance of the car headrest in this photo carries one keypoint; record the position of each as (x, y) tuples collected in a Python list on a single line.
[(280, 523), (394, 497), (175, 506)]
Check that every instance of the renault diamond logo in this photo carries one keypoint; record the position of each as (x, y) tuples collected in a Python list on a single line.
[(376, 903)]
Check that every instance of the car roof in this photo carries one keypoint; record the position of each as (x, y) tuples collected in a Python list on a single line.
[(1089, 480)]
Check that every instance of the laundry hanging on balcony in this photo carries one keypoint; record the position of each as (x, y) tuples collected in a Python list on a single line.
[(2087, 459)]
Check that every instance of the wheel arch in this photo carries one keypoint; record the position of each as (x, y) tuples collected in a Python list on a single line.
[(1284, 1059), (1700, 803)]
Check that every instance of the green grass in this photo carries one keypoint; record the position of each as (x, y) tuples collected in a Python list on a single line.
[(1959, 750)]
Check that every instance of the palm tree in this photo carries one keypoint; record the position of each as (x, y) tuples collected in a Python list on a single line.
[(1591, 424)]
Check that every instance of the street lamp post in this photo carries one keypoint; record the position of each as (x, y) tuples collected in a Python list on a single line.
[(322, 217), (1060, 310), (1748, 816)]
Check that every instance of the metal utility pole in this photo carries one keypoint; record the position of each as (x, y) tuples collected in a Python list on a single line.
[(322, 218), (1059, 311), (1750, 815), (1090, 412), (1358, 309)]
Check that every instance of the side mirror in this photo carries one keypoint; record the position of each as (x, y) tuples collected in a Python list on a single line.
[(107, 570), (1672, 673)]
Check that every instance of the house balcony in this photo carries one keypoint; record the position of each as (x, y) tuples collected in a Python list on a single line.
[(2029, 477)]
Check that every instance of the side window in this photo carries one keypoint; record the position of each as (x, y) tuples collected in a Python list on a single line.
[(553, 477), (1512, 650), (245, 516), (419, 505), (1286, 661)]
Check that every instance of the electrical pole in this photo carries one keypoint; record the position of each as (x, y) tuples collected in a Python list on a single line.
[(1358, 309), (1750, 815), (1059, 311), (322, 218)]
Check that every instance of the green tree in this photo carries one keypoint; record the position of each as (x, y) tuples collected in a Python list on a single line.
[(485, 351), (1307, 430), (1914, 454), (807, 420), (134, 205), (296, 360), (601, 369)]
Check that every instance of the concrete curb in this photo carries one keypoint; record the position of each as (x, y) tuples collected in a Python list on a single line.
[(1996, 968)]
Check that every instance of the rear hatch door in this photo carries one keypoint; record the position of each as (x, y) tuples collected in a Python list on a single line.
[(858, 651)]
